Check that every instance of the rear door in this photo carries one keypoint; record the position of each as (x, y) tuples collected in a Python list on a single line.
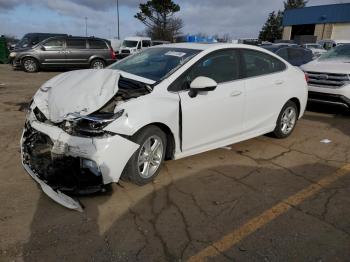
[(77, 52), (53, 52), (265, 83)]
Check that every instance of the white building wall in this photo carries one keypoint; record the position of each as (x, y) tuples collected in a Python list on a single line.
[(341, 31)]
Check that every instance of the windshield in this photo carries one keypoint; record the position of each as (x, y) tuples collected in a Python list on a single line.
[(129, 43), (24, 42), (155, 63), (340, 52)]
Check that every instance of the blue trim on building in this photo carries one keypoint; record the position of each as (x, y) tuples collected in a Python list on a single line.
[(336, 13)]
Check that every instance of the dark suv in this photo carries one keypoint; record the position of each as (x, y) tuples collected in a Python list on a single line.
[(66, 51)]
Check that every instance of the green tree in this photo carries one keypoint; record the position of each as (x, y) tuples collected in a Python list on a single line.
[(291, 4), (272, 29), (158, 17)]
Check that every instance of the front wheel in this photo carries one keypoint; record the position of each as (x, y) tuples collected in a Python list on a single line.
[(286, 120), (30, 65), (144, 165)]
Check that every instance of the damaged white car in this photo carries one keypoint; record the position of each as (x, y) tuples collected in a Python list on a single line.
[(88, 128)]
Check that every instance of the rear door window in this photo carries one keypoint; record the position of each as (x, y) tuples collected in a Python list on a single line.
[(76, 43), (258, 63), (97, 44)]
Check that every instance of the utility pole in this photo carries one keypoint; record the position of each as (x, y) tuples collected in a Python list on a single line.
[(118, 17), (86, 26)]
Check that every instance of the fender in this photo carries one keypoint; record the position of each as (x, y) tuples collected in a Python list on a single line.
[(158, 108)]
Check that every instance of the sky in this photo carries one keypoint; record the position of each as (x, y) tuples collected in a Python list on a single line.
[(238, 18)]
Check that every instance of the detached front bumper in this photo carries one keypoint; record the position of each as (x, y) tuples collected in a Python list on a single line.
[(60, 162)]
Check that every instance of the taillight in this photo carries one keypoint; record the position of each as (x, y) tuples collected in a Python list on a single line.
[(306, 77), (112, 53)]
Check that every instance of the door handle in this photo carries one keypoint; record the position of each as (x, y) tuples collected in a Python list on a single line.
[(236, 93), (279, 82)]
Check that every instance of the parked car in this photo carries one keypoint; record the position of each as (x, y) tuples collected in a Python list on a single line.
[(87, 128), (65, 51), (159, 42), (132, 45), (329, 77), (328, 44), (31, 39), (295, 55), (316, 49)]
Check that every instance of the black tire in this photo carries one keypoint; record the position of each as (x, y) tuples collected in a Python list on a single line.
[(132, 170), (30, 65), (281, 131), (97, 64)]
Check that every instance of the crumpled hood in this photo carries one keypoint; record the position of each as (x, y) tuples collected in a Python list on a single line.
[(79, 91), (331, 66)]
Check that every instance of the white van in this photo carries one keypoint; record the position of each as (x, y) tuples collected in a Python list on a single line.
[(134, 44)]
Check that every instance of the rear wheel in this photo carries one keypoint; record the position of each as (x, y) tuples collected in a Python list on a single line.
[(97, 64), (286, 120), (30, 65), (144, 165)]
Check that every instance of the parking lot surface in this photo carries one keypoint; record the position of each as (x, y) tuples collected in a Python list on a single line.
[(260, 200)]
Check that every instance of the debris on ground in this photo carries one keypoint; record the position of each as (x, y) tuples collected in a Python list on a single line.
[(325, 141)]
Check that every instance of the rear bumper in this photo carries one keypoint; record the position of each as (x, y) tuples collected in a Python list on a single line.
[(122, 55)]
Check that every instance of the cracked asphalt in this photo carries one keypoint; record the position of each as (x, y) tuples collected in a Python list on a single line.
[(259, 200)]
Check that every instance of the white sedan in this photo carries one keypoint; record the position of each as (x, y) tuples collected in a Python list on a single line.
[(88, 128)]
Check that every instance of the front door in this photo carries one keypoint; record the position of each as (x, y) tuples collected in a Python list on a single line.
[(53, 52), (215, 116)]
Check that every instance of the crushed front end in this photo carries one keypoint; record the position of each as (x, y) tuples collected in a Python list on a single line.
[(72, 159)]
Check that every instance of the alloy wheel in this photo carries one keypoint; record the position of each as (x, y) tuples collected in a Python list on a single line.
[(29, 65), (98, 65), (288, 120), (150, 156)]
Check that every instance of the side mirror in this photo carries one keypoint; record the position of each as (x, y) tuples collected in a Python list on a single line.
[(201, 84), (43, 48)]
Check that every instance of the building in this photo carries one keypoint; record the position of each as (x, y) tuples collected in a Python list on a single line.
[(323, 22)]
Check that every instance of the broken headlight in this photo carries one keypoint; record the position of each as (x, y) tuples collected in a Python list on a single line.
[(39, 115), (91, 125)]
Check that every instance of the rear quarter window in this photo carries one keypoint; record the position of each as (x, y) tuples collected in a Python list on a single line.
[(97, 44), (258, 63)]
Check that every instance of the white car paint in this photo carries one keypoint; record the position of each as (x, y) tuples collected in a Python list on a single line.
[(139, 46), (235, 111), (338, 67)]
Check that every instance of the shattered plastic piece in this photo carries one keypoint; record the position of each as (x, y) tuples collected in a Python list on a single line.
[(325, 141), (57, 196)]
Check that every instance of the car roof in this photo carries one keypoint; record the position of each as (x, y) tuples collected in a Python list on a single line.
[(205, 46), (136, 38)]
